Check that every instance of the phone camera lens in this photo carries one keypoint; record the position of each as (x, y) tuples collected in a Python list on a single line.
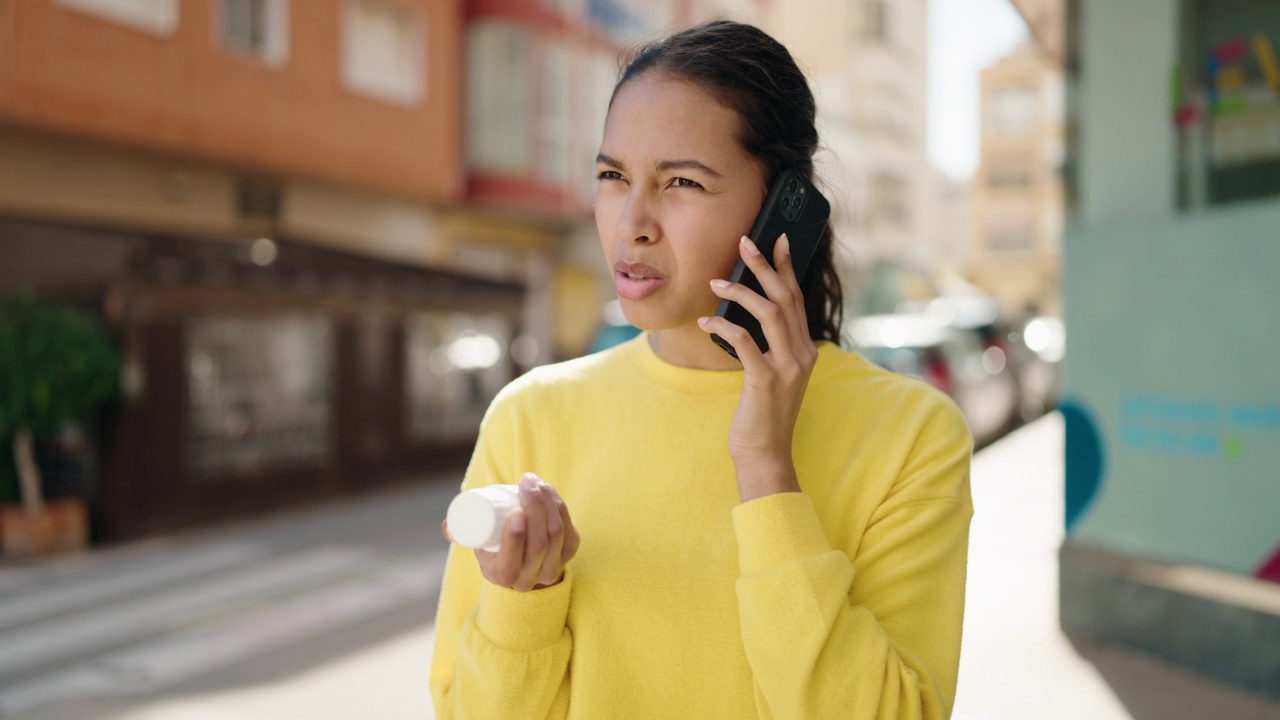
[(792, 187), (786, 203)]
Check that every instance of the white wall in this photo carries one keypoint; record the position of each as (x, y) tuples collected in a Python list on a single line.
[(1127, 146)]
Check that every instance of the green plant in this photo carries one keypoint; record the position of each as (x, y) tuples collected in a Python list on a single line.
[(56, 364)]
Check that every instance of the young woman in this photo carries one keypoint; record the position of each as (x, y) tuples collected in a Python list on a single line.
[(781, 537)]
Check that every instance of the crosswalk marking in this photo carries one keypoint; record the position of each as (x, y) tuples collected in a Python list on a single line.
[(88, 565), (68, 596), (172, 659), (29, 646)]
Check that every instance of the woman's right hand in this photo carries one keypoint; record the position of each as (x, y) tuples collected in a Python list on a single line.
[(537, 541)]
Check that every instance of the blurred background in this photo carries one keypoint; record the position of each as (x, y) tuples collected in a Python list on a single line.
[(264, 263)]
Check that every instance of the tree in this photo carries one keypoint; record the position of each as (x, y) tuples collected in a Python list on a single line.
[(56, 365)]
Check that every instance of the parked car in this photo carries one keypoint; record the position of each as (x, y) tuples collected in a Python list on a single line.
[(954, 360), (1004, 342), (1045, 342), (1033, 350)]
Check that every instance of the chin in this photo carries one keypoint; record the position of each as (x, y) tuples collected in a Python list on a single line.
[(648, 318), (654, 318)]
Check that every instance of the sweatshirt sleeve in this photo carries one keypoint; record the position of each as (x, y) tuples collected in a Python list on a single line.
[(874, 635), (498, 653)]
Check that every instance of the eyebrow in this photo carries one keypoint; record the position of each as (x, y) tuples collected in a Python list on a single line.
[(663, 165)]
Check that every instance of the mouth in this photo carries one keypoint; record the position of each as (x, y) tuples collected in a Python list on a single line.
[(633, 286), (637, 270)]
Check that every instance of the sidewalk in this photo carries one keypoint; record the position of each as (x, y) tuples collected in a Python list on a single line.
[(1016, 662), (325, 614)]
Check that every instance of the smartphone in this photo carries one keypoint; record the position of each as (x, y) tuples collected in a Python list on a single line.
[(795, 207)]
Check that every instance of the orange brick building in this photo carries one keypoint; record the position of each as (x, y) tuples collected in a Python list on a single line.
[(192, 90), (323, 232)]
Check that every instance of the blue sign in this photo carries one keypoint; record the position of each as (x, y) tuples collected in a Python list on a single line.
[(615, 17), (1194, 427)]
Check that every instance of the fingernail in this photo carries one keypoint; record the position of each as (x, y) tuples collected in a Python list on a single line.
[(528, 482), (750, 246), (785, 243), (517, 523), (720, 283), (703, 321)]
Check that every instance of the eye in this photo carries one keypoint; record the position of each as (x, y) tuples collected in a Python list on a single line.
[(609, 175), (684, 182)]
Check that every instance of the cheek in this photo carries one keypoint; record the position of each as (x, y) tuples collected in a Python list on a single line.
[(728, 260), (708, 259), (705, 244), (721, 255)]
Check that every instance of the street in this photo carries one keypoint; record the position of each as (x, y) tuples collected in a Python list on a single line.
[(323, 612), (326, 612)]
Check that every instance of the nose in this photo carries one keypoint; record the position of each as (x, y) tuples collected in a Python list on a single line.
[(638, 224)]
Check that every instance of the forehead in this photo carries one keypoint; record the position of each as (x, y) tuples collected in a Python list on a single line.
[(655, 117)]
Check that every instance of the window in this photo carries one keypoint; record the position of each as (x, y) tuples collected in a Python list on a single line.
[(875, 20), (258, 394), (601, 73), (1010, 170), (155, 16), (454, 366), (255, 27), (384, 52), (499, 99), (1228, 103), (886, 109), (1013, 233), (889, 203), (554, 121), (1012, 111)]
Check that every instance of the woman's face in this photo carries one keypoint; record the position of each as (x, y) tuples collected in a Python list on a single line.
[(676, 193)]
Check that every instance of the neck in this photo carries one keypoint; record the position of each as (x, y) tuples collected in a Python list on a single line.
[(689, 346)]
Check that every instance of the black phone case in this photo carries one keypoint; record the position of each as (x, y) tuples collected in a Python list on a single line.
[(803, 227)]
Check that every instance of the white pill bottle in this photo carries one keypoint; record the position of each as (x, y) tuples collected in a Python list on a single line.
[(476, 516)]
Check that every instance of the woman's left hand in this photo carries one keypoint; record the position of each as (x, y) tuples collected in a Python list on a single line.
[(775, 381)]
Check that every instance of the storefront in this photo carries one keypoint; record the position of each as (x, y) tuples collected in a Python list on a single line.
[(259, 373)]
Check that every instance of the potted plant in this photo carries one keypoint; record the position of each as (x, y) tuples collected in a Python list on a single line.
[(57, 365)]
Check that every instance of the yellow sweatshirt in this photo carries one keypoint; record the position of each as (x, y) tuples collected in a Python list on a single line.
[(843, 601)]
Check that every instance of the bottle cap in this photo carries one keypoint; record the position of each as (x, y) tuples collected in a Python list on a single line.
[(473, 520)]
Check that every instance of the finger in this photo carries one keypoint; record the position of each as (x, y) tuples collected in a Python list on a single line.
[(535, 544), (779, 285), (787, 274), (552, 564), (737, 336), (505, 565), (444, 529), (571, 536), (773, 320)]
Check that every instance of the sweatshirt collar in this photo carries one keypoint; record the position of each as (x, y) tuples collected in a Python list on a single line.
[(694, 381)]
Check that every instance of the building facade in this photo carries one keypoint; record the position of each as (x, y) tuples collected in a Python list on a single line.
[(539, 76), (867, 63), (322, 233), (1016, 237), (1171, 392)]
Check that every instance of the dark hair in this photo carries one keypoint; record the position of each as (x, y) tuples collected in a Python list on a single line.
[(754, 75)]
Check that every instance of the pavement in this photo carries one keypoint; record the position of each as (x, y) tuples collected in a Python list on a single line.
[(325, 613), (1015, 661)]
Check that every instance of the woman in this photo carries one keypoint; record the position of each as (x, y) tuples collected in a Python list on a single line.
[(781, 537)]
